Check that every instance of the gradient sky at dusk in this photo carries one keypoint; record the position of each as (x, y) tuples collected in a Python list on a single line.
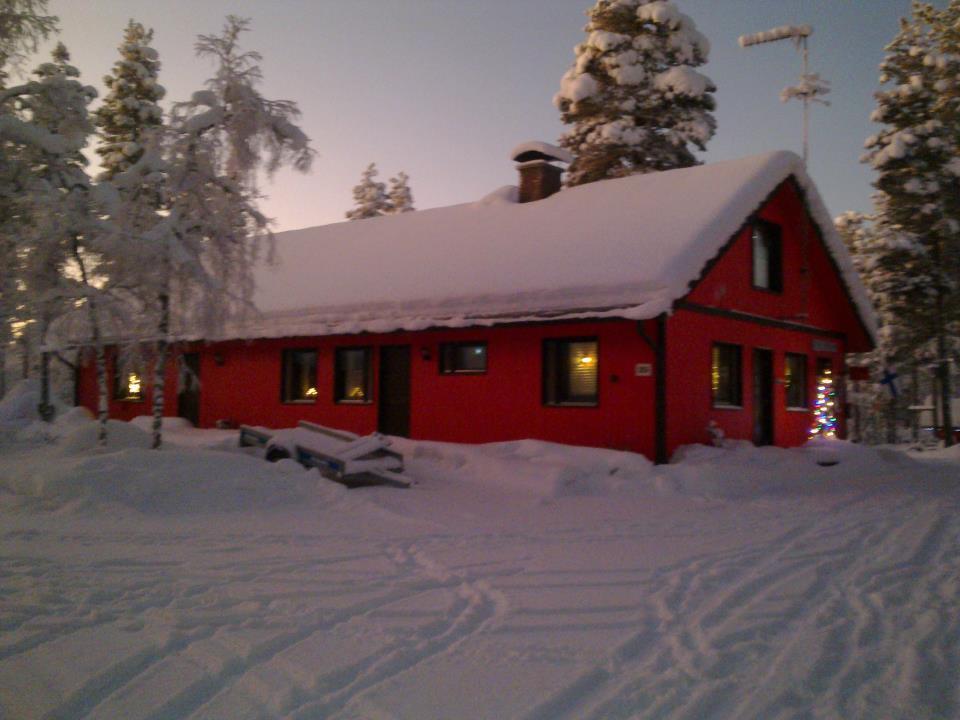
[(444, 89)]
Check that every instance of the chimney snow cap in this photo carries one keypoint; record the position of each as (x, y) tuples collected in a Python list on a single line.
[(537, 150)]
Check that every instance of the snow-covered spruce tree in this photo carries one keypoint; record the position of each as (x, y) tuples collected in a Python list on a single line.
[(401, 198), (370, 197), (59, 221), (211, 236), (633, 100), (877, 253), (917, 159), (23, 23), (130, 107)]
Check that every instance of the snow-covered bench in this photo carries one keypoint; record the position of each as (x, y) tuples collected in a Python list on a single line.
[(253, 436), (340, 455)]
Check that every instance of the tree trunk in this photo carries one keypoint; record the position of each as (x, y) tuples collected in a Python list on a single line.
[(159, 371), (3, 368), (915, 401), (45, 409), (943, 370), (103, 401), (892, 421)]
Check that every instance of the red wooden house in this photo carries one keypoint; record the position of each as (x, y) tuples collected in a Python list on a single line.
[(625, 314)]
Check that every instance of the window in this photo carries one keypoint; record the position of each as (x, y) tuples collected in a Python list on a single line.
[(570, 371), (796, 381), (726, 375), (767, 265), (299, 376), (127, 383), (352, 375), (463, 358)]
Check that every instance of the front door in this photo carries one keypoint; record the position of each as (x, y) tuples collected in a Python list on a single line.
[(762, 397), (188, 399), (394, 416)]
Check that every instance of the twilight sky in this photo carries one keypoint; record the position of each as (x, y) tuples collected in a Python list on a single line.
[(444, 89)]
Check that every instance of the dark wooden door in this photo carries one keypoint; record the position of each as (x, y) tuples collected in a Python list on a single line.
[(394, 416), (762, 397), (188, 399)]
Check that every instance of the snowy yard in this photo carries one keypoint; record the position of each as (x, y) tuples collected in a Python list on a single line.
[(519, 580)]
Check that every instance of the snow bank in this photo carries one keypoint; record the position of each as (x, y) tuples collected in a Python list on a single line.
[(173, 482), (81, 476), (534, 467), (744, 471), (18, 407), (740, 470)]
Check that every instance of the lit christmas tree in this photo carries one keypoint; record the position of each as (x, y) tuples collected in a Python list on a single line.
[(824, 409)]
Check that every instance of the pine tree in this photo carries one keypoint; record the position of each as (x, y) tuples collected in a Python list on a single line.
[(59, 220), (633, 100), (130, 107), (400, 196), (917, 159), (370, 197), (22, 25)]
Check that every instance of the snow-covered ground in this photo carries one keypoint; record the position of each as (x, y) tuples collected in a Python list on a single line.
[(517, 580)]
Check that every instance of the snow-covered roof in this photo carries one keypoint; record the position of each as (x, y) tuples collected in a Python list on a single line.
[(625, 248)]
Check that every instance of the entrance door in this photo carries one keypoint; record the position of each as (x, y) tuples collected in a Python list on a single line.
[(762, 397), (394, 416), (188, 399)]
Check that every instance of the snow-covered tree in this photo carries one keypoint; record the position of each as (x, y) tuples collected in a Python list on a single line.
[(23, 23), (400, 196), (54, 202), (200, 254), (633, 100), (917, 159), (370, 197), (130, 108), (876, 254)]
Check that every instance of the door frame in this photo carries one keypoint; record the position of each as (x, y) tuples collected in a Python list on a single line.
[(764, 432), (383, 393)]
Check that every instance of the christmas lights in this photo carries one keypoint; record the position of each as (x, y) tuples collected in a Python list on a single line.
[(824, 417)]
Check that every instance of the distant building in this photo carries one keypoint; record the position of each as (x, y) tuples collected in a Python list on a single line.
[(627, 314)]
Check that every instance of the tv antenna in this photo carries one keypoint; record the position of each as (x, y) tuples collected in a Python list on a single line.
[(811, 86)]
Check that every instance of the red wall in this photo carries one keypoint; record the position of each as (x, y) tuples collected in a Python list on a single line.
[(812, 295), (812, 292), (504, 403), (87, 393), (690, 336)]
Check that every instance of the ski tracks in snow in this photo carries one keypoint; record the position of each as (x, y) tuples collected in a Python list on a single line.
[(853, 615), (849, 609)]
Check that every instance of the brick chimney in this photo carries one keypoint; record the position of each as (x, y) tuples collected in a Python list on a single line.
[(539, 178)]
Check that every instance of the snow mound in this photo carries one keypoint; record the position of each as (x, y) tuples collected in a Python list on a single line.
[(120, 436), (170, 482), (741, 470), (145, 423), (541, 469), (18, 407)]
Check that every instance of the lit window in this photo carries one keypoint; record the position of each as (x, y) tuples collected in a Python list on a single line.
[(796, 380), (299, 376), (725, 375), (127, 384), (767, 265), (352, 375), (570, 372), (463, 358)]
